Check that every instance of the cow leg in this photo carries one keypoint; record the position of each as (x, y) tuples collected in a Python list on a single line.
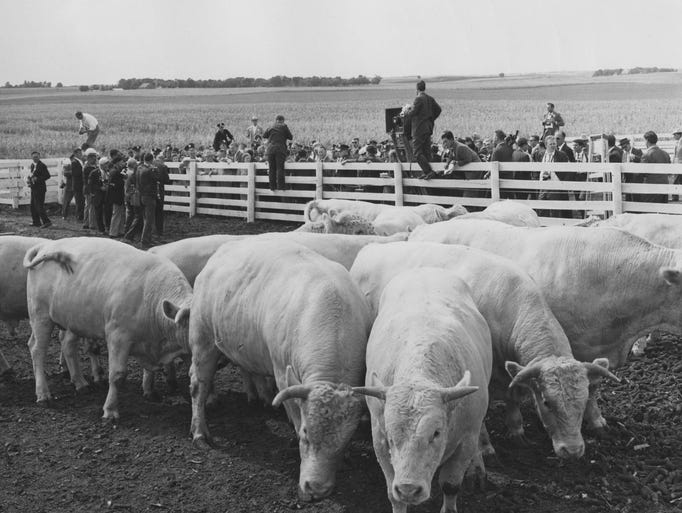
[(202, 370), (148, 391), (486, 448), (170, 372), (514, 420), (92, 350), (37, 345), (69, 344), (453, 469), (119, 350), (593, 417), (249, 386)]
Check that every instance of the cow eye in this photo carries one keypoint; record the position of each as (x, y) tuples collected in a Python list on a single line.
[(436, 434), (547, 404)]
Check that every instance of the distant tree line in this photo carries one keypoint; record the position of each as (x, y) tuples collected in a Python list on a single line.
[(633, 71), (276, 81), (30, 83)]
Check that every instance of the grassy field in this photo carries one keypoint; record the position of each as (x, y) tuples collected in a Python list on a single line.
[(44, 119)]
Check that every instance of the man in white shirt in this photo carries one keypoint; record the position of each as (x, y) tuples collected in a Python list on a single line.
[(88, 125), (255, 130)]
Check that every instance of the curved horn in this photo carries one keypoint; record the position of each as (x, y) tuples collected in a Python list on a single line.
[(599, 369), (522, 375), (378, 392), (293, 392), (461, 389)]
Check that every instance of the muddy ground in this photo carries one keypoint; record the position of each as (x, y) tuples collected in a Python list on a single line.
[(61, 459)]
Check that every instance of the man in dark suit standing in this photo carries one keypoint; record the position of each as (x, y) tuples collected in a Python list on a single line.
[(503, 153), (36, 181), (77, 177), (425, 110), (654, 155)]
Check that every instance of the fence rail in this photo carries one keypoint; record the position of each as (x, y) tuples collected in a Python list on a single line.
[(241, 189)]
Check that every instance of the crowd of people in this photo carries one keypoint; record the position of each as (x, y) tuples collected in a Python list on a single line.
[(122, 194)]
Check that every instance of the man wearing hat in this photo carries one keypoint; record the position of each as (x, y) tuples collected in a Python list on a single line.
[(254, 131), (222, 136), (77, 177)]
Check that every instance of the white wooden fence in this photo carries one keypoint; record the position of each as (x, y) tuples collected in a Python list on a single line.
[(241, 190)]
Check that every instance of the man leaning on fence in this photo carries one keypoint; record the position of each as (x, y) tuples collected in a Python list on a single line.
[(88, 125)]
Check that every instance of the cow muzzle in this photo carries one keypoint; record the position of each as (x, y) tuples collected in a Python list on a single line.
[(569, 450), (410, 492), (311, 490)]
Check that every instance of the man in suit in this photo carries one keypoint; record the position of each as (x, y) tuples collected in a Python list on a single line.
[(503, 153), (553, 154), (551, 121), (425, 110), (654, 155), (613, 153), (36, 181), (77, 177), (521, 153)]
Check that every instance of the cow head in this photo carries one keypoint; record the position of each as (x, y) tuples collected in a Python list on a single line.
[(416, 429), (329, 415), (348, 223), (560, 387)]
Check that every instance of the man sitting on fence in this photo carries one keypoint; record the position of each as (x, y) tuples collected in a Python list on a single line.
[(88, 125)]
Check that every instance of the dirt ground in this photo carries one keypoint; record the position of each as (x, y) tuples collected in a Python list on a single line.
[(61, 459)]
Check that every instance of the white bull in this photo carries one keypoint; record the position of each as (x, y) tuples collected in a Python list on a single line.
[(428, 350), (428, 212), (529, 345), (13, 307), (277, 309), (508, 212), (191, 255), (606, 287), (97, 288)]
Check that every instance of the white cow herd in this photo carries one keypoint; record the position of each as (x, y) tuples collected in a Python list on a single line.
[(418, 314)]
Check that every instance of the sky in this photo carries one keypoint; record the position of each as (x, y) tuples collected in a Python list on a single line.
[(99, 42)]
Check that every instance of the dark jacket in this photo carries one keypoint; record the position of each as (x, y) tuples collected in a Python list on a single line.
[(77, 174), (277, 136), (87, 169), (615, 154), (655, 155), (95, 186), (568, 151), (115, 193), (502, 153), (162, 178), (425, 110), (39, 175), (223, 135), (147, 181)]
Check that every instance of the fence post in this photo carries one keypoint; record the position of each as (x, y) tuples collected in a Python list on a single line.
[(495, 180), (617, 184), (192, 172), (251, 193), (319, 180), (398, 179)]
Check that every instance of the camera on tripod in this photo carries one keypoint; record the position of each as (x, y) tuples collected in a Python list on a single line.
[(395, 123)]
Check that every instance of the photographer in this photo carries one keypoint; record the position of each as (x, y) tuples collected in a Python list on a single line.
[(551, 121)]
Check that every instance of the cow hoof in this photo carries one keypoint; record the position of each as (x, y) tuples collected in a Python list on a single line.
[(111, 420), (152, 396), (45, 403), (202, 443)]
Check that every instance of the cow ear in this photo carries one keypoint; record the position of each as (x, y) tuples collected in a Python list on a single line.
[(513, 368), (291, 377), (170, 310), (671, 275)]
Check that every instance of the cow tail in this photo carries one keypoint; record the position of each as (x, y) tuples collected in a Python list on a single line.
[(33, 258)]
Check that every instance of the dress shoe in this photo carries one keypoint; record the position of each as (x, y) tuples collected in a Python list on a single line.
[(429, 175), (47, 225)]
